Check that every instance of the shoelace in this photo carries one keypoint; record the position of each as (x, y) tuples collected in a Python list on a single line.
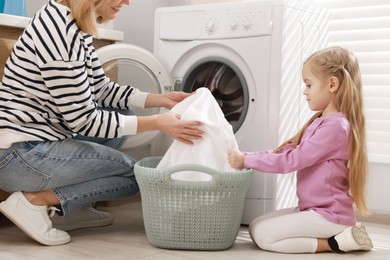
[(51, 211)]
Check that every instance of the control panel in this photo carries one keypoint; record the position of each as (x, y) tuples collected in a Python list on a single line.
[(215, 22), (237, 23)]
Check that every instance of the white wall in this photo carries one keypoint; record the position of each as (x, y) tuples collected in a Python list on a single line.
[(34, 5), (378, 188), (137, 21), (355, 13)]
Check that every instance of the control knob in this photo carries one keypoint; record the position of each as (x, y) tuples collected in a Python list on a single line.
[(233, 26), (211, 27), (247, 24)]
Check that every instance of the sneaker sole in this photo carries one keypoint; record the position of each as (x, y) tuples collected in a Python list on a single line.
[(14, 217), (361, 237)]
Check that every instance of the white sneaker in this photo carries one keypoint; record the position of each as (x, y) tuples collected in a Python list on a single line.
[(84, 218), (354, 238), (33, 220)]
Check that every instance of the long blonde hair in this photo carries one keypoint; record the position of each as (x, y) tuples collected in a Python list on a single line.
[(84, 12), (343, 64)]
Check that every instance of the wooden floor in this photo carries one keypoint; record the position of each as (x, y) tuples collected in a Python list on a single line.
[(126, 239)]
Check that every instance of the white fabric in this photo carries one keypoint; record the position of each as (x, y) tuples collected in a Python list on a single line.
[(211, 150)]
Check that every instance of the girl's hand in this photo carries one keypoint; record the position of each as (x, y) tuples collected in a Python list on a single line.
[(236, 159)]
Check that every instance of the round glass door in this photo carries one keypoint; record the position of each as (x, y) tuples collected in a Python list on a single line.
[(227, 86), (131, 65), (126, 71)]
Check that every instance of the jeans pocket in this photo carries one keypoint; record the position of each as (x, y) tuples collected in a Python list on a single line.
[(18, 175), (7, 158)]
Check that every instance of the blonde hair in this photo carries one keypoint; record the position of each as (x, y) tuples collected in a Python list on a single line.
[(343, 64), (84, 12)]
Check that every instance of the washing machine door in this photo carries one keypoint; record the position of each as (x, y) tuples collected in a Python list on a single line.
[(227, 85), (131, 65)]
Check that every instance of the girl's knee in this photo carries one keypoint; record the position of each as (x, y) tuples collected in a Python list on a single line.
[(258, 234)]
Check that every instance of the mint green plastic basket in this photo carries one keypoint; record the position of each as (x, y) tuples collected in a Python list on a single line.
[(191, 215)]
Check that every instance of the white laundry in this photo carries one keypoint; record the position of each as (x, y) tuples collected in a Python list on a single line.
[(211, 150)]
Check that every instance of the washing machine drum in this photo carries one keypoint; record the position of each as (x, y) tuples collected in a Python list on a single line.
[(226, 85)]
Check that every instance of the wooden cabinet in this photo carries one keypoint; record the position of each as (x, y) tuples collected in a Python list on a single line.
[(8, 37)]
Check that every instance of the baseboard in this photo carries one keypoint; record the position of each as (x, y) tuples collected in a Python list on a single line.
[(3, 195), (381, 218)]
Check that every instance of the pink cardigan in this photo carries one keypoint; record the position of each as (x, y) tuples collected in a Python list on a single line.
[(321, 164)]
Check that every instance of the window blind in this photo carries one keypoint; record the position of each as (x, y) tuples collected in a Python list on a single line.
[(363, 26)]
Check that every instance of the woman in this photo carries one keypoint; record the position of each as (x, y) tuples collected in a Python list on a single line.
[(55, 96)]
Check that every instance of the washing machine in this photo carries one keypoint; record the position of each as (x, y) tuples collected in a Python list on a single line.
[(249, 54)]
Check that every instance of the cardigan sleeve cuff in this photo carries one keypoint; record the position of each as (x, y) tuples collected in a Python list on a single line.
[(130, 125), (138, 98)]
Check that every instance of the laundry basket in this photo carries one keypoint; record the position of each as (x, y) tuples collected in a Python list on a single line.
[(191, 215)]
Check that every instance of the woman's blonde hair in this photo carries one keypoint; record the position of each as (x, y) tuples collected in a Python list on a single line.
[(84, 12), (343, 64)]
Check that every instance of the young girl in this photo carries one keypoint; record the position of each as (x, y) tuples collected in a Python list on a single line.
[(329, 155)]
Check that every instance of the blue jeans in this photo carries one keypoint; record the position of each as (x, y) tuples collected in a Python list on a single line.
[(79, 170)]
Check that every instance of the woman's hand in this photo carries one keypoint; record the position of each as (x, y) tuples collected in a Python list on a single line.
[(171, 125), (167, 100), (183, 131), (236, 159)]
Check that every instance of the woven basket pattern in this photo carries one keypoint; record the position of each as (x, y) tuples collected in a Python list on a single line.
[(191, 215)]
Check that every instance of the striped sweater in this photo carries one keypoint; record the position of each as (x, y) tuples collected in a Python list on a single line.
[(53, 84)]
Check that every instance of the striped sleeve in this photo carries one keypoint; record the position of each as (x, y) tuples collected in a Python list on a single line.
[(54, 84)]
